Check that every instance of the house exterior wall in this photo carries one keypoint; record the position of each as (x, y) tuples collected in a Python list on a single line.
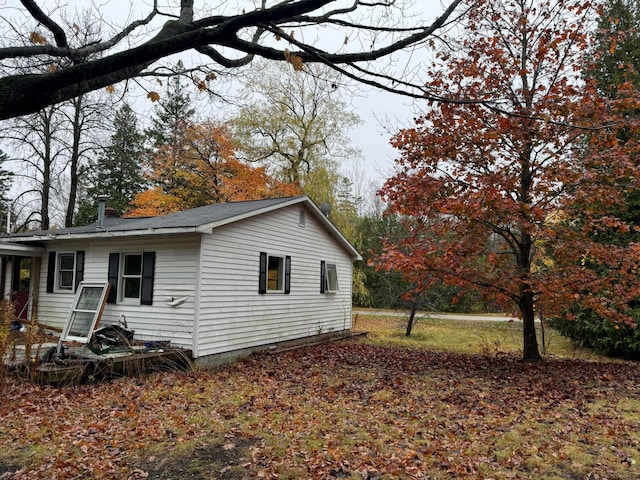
[(234, 316), (175, 278)]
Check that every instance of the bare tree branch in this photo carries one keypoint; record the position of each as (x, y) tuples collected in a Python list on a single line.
[(229, 40)]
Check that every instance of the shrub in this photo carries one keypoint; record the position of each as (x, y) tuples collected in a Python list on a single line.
[(604, 336)]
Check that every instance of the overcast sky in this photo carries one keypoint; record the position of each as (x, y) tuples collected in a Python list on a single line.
[(382, 113)]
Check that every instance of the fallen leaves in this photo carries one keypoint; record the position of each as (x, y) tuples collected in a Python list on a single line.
[(345, 410)]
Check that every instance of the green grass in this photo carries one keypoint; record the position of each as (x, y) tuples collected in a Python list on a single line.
[(465, 336)]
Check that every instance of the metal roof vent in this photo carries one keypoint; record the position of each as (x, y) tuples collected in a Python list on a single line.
[(102, 207)]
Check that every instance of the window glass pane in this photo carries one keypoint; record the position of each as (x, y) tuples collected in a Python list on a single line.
[(275, 274), (131, 287), (81, 324), (332, 278), (89, 298), (66, 280), (66, 264), (66, 261), (132, 264)]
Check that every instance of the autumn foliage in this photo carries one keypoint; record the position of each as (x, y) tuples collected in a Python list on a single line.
[(345, 410), (509, 191), (201, 168)]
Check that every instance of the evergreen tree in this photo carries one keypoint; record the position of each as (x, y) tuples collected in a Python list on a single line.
[(167, 134), (118, 171), (616, 69), (616, 50)]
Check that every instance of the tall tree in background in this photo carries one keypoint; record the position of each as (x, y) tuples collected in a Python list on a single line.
[(206, 171), (117, 173), (86, 118), (297, 124), (5, 186), (39, 146), (295, 121), (54, 145), (616, 50), (193, 164), (490, 193), (167, 133), (615, 65)]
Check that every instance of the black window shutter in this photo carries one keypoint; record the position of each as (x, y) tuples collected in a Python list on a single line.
[(51, 272), (323, 277), (287, 274), (112, 276), (79, 268), (148, 273), (262, 279)]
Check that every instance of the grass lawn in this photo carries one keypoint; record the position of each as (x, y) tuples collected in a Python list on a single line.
[(452, 401)]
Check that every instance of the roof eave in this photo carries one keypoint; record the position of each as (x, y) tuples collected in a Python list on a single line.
[(107, 234)]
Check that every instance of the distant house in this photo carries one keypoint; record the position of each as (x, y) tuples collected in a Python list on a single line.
[(221, 280)]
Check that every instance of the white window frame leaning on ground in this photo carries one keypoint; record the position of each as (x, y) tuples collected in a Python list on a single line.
[(87, 308)]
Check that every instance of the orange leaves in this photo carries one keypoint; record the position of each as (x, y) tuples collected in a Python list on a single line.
[(153, 96), (485, 182), (37, 38), (202, 168), (294, 60)]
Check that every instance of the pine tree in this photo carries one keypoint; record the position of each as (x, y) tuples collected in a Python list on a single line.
[(167, 134), (118, 171), (615, 67)]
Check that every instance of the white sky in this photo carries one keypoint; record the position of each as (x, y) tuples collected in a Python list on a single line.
[(379, 111)]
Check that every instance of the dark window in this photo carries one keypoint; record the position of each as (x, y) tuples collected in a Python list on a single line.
[(66, 270), (131, 280), (275, 274)]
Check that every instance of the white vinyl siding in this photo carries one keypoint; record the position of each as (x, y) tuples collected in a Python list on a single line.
[(206, 287), (233, 315), (172, 313)]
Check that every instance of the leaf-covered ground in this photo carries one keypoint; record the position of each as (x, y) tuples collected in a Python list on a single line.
[(350, 409)]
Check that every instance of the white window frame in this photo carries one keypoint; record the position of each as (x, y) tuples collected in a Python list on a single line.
[(122, 279), (58, 287), (331, 271), (91, 311)]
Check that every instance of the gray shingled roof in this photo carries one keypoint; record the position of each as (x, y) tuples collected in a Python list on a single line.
[(193, 218), (209, 215)]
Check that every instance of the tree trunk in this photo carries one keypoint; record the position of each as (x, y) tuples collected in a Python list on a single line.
[(530, 353), (412, 318), (74, 161)]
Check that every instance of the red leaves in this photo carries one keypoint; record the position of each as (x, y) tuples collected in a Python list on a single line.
[(510, 197), (348, 408)]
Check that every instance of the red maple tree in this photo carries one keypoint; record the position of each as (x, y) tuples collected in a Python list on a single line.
[(509, 190)]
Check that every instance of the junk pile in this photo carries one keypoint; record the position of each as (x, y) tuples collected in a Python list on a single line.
[(88, 352)]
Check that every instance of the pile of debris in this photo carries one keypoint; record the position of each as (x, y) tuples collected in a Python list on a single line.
[(85, 351)]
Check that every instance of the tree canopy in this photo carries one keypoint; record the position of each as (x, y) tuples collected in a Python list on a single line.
[(41, 64), (512, 204)]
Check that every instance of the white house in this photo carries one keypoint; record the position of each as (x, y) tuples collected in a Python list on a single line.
[(221, 280)]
